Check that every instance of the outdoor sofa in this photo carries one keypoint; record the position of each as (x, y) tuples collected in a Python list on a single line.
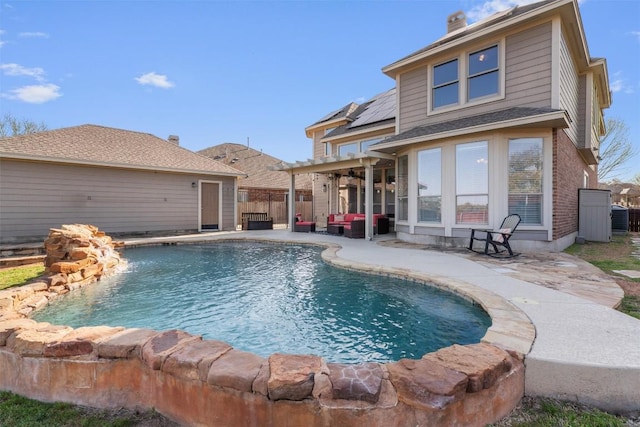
[(346, 224)]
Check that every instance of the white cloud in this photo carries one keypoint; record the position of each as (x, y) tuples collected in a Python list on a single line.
[(636, 34), (34, 34), (35, 94), (153, 79), (2, 42), (18, 70), (490, 7), (620, 84)]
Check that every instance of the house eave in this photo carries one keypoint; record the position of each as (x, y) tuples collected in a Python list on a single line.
[(46, 159), (329, 123), (395, 68), (556, 119), (326, 164), (361, 132), (589, 155)]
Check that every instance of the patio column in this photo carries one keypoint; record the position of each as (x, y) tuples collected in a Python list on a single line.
[(368, 201), (292, 201)]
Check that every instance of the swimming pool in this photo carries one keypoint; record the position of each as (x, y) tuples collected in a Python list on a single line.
[(267, 298)]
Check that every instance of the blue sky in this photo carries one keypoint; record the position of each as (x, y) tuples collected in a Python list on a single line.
[(214, 72)]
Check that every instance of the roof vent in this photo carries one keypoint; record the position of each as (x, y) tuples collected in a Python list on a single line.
[(174, 138), (456, 21)]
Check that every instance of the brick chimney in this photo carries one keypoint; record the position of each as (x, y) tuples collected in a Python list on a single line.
[(455, 21), (174, 138)]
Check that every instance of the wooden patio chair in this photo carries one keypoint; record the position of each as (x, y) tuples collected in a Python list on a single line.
[(495, 238)]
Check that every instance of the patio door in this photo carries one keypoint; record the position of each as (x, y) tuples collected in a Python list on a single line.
[(210, 206)]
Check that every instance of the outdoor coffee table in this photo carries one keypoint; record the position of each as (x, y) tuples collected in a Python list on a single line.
[(335, 229)]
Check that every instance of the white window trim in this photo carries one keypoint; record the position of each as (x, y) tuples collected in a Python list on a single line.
[(463, 79)]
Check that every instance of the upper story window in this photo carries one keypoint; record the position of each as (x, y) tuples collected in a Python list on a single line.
[(472, 77), (356, 147), (327, 149), (445, 84), (345, 149), (364, 145), (483, 73)]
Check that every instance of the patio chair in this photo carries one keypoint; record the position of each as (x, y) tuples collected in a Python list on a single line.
[(497, 238)]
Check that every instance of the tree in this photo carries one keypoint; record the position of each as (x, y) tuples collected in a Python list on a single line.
[(615, 149), (12, 126), (636, 179)]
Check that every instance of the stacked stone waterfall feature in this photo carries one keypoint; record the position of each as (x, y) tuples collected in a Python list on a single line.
[(76, 255), (79, 254)]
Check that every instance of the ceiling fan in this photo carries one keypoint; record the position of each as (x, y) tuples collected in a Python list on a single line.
[(353, 174)]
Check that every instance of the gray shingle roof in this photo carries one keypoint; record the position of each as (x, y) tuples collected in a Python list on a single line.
[(467, 122), (338, 114), (256, 165), (477, 26), (99, 145)]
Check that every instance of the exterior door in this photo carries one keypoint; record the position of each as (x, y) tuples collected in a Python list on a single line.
[(210, 206)]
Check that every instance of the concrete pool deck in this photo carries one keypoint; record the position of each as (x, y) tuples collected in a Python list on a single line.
[(583, 350)]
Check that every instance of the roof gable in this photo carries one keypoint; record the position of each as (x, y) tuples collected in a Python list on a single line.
[(378, 111), (255, 165), (110, 147)]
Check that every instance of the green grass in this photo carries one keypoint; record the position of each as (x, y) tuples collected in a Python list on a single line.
[(615, 255), (631, 305), (19, 275), (541, 412), (17, 411)]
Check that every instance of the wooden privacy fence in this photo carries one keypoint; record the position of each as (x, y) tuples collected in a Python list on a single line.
[(634, 219), (276, 210)]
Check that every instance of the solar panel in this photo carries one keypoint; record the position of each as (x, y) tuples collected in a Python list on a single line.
[(381, 107)]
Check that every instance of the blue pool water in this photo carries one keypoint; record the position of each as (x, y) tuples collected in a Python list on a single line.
[(267, 298)]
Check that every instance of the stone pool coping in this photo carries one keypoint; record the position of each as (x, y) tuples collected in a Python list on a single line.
[(107, 367)]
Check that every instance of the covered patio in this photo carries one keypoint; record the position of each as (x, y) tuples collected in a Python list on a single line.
[(373, 172)]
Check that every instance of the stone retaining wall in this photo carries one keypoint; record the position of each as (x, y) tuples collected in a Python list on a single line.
[(204, 382)]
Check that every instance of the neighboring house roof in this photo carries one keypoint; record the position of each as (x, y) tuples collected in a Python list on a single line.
[(507, 117), (109, 147), (255, 164), (378, 111)]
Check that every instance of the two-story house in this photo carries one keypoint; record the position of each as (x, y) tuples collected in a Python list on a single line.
[(496, 117)]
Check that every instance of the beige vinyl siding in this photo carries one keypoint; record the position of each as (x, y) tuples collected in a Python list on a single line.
[(413, 92), (528, 68), (527, 76), (37, 196), (582, 118), (569, 89)]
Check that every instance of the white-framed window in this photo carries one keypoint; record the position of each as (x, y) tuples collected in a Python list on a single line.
[(327, 149), (430, 185), (402, 188), (472, 183), (525, 179), (473, 77), (345, 149), (483, 73), (364, 145), (243, 196), (445, 84)]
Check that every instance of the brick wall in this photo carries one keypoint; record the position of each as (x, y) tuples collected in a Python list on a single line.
[(568, 177)]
